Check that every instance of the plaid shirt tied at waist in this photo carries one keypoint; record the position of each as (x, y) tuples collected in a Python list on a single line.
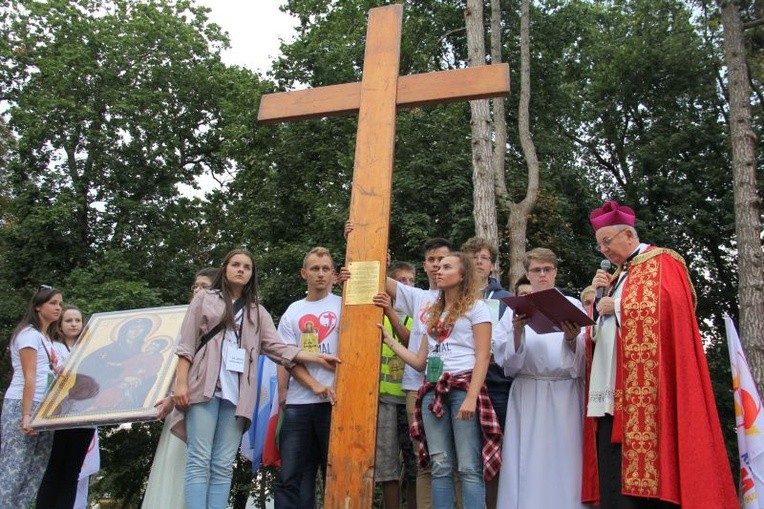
[(489, 423)]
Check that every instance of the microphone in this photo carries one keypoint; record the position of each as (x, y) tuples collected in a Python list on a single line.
[(604, 265)]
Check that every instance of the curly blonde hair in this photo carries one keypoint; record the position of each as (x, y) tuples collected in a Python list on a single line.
[(464, 302)]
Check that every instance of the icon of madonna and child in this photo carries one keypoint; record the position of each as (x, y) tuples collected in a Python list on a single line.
[(118, 371)]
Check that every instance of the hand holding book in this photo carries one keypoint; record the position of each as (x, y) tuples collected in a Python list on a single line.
[(546, 311)]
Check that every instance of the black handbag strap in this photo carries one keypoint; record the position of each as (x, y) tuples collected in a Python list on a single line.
[(237, 306)]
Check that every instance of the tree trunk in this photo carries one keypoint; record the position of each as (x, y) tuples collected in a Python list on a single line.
[(519, 212), (747, 202), (483, 191), (499, 113)]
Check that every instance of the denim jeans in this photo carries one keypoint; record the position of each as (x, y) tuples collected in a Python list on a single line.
[(454, 443), (304, 446), (214, 434)]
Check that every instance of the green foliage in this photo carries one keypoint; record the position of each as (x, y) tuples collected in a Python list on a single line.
[(111, 106), (126, 456)]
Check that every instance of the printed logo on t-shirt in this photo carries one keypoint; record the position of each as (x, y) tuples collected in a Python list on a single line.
[(440, 332), (424, 312), (315, 329), (309, 337)]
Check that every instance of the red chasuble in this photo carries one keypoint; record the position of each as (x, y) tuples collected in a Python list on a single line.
[(665, 414)]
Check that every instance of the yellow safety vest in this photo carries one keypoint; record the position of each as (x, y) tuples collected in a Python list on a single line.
[(391, 366)]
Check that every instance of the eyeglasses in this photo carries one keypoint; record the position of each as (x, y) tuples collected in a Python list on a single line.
[(608, 240), (45, 287), (542, 270), (199, 286), (482, 258)]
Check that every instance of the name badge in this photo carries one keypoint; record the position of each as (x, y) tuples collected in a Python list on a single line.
[(309, 341), (434, 368), (234, 359), (493, 308)]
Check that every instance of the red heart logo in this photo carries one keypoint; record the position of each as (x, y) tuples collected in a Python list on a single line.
[(423, 315), (324, 323)]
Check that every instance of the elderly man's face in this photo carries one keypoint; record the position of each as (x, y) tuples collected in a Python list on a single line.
[(616, 243)]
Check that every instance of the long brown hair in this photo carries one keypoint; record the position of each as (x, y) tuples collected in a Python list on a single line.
[(249, 292), (466, 298), (32, 316)]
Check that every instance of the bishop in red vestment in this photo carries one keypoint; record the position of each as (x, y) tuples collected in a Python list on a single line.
[(648, 383)]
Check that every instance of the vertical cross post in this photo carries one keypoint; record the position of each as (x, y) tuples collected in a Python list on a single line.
[(350, 476)]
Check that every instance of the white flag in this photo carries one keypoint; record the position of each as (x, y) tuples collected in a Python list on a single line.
[(92, 463), (750, 423)]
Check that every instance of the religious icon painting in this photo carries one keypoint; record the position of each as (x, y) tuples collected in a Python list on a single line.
[(123, 364), (309, 337)]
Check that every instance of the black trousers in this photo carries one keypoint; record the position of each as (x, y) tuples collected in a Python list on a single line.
[(609, 457), (58, 489)]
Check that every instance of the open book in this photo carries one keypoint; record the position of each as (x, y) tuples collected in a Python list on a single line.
[(546, 310)]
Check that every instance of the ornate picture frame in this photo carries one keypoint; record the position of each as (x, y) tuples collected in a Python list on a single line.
[(124, 362)]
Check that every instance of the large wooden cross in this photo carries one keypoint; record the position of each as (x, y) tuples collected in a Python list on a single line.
[(350, 475)]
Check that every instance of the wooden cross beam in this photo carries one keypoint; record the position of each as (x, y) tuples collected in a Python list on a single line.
[(350, 476)]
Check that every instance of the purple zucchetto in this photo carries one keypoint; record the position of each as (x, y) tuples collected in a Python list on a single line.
[(611, 214)]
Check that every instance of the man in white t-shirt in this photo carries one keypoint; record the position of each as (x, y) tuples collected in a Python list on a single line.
[(307, 394), (414, 302)]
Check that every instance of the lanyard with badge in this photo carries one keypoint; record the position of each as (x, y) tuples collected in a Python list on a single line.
[(435, 359), (52, 363), (235, 354), (494, 308)]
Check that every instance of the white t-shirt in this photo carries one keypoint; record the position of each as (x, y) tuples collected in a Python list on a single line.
[(62, 351), (457, 350), (414, 302), (29, 337), (228, 379), (313, 326)]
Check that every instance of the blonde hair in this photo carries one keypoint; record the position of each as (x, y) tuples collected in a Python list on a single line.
[(466, 297), (588, 289), (539, 254), (318, 251)]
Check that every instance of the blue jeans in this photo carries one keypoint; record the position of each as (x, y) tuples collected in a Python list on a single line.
[(214, 434), (304, 446), (452, 443)]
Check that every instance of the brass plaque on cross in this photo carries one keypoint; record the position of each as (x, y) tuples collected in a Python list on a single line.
[(350, 476)]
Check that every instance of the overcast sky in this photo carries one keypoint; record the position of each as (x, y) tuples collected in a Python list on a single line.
[(254, 28)]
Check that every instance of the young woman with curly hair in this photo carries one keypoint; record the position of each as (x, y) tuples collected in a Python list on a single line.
[(453, 412)]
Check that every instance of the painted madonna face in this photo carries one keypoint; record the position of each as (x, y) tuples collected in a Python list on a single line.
[(134, 331)]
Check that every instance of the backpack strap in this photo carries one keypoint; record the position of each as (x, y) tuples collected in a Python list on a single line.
[(237, 306)]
